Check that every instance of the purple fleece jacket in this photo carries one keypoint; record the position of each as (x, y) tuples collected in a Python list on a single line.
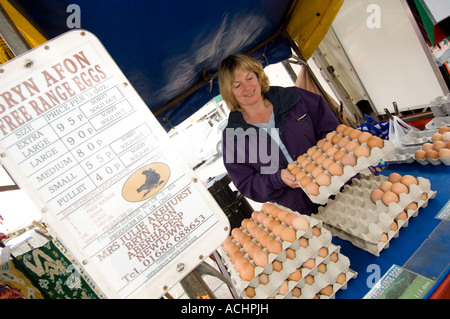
[(253, 160)]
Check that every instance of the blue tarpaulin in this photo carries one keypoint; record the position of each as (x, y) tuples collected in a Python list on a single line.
[(167, 48)]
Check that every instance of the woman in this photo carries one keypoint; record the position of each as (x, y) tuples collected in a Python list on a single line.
[(268, 127)]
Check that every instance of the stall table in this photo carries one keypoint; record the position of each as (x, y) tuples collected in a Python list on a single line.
[(422, 247)]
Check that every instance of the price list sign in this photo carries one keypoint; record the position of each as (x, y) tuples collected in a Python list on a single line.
[(78, 138)]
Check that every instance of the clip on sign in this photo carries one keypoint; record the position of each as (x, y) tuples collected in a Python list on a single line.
[(78, 138)]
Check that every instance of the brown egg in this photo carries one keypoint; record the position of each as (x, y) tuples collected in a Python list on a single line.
[(250, 292), (341, 279), (347, 131), (334, 257), (266, 221), (247, 272), (310, 263), (236, 255), (376, 194), (320, 159), (303, 242), (277, 265), (289, 219), (316, 155), (305, 163), (431, 154), (348, 160), (384, 238), (300, 223), (309, 168), (300, 175), (323, 180), (394, 177), (263, 279), (323, 252), (412, 206), (316, 231), (351, 146), (420, 154), (394, 226), (354, 134), (261, 259), (340, 128), (284, 288), (296, 275), (326, 146), (300, 159), (319, 143), (444, 153), (295, 170), (386, 186), (389, 197), (364, 137), (330, 152), (335, 169), (399, 188), (327, 291), (277, 230), (427, 146), (401, 216), (322, 268), (338, 155), (282, 215), (254, 250), (290, 253), (329, 136), (265, 240), (375, 141), (309, 280), (342, 142), (288, 234), (316, 171), (438, 145), (443, 129), (436, 137), (408, 180), (312, 189), (326, 163), (274, 247), (291, 166), (336, 139), (305, 181), (272, 224), (240, 261), (310, 151), (361, 151), (266, 207)]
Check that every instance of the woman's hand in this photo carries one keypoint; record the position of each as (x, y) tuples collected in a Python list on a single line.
[(289, 179)]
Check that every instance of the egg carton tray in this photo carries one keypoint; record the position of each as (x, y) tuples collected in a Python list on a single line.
[(438, 122), (404, 155), (437, 161), (348, 171), (276, 278), (417, 137), (354, 217), (319, 278)]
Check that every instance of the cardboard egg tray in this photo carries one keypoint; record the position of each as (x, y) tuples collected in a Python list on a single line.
[(354, 217), (302, 254), (417, 137), (337, 182)]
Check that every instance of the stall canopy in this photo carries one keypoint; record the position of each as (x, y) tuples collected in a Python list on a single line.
[(171, 50)]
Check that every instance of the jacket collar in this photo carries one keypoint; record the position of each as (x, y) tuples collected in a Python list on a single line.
[(283, 100)]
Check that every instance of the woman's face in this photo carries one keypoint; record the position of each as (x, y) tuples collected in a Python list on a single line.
[(246, 88)]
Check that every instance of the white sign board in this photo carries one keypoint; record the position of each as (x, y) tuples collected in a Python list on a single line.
[(76, 135)]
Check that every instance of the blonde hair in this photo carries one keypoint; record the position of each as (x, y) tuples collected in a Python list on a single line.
[(226, 77)]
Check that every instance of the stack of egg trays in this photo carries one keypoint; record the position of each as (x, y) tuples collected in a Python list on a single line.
[(276, 278), (354, 217), (376, 154)]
